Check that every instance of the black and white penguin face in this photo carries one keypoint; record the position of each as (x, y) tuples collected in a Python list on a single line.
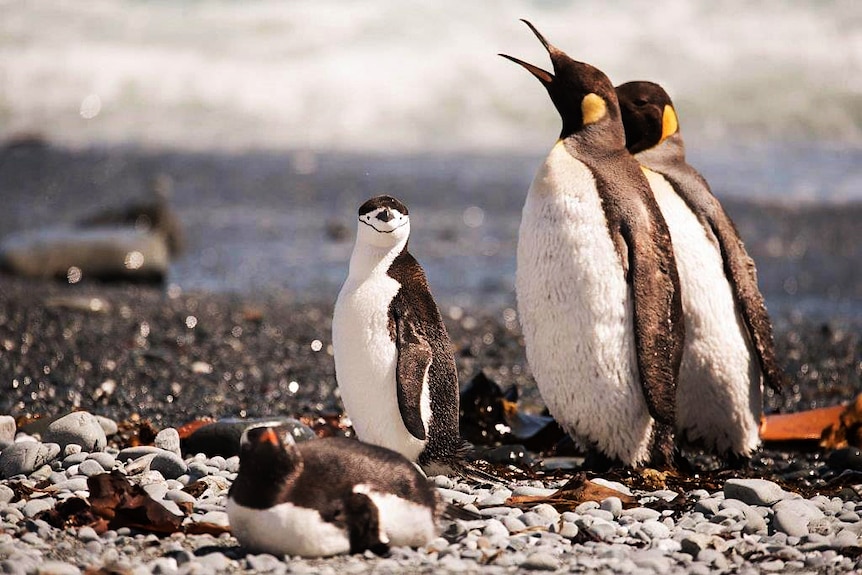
[(582, 94), (268, 450), (383, 222), (648, 115)]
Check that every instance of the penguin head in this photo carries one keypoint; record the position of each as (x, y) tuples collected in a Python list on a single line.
[(268, 451), (383, 222), (648, 115), (582, 94)]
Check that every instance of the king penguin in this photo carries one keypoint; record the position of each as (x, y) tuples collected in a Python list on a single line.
[(596, 281), (393, 357), (326, 497), (729, 351)]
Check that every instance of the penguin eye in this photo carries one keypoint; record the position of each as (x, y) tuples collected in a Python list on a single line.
[(640, 102)]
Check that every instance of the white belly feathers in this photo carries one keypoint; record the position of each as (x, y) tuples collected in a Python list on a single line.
[(366, 363), (576, 312), (719, 389)]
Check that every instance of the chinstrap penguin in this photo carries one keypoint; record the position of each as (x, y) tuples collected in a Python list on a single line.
[(729, 351), (393, 358), (597, 287), (327, 497)]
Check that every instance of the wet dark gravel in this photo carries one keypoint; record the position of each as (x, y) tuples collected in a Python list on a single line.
[(171, 357)]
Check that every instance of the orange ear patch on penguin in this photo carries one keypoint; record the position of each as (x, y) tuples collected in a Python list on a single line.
[(593, 108)]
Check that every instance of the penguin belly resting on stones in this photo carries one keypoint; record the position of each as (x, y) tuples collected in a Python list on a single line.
[(393, 357), (596, 281), (327, 497), (729, 351)]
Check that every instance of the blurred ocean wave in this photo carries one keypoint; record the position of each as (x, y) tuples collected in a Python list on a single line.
[(389, 76)]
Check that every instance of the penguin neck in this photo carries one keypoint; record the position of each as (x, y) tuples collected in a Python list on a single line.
[(669, 153), (369, 260)]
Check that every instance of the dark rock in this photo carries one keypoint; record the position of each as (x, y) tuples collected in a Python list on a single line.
[(222, 437)]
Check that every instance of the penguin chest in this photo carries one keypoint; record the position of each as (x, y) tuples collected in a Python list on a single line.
[(718, 393), (576, 311), (366, 358), (286, 529)]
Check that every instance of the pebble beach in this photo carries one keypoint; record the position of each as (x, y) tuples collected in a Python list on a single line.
[(129, 353)]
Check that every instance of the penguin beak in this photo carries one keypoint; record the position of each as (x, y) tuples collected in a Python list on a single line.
[(544, 77), (269, 436)]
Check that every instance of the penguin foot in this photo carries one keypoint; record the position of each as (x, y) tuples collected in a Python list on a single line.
[(663, 453)]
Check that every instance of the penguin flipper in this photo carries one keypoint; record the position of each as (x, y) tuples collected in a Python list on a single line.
[(742, 274), (414, 360), (658, 323)]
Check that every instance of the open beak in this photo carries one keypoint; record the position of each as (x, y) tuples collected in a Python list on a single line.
[(544, 77)]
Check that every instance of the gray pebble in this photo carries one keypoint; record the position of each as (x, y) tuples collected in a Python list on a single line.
[(546, 511), (569, 530), (156, 490), (495, 528), (532, 519), (74, 459), (87, 533), (541, 561), (845, 538), (754, 491), (789, 522), (655, 529), (513, 524), (220, 518), (640, 513), (169, 440), (600, 513), (109, 426), (612, 504), (603, 531), (36, 506), (78, 427), (708, 506), (265, 563), (168, 464), (58, 568), (215, 562), (132, 453), (529, 491), (801, 507), (72, 449), (106, 460), (24, 458), (74, 484), (90, 467), (6, 494), (586, 506), (179, 496)]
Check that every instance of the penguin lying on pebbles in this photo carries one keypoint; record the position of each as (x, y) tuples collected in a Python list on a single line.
[(597, 286), (327, 497), (393, 358), (729, 350)]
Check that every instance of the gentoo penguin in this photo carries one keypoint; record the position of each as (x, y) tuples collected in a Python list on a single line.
[(596, 281), (729, 349), (393, 358), (326, 497)]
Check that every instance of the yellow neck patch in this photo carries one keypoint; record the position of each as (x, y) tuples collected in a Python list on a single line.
[(669, 123), (593, 108)]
